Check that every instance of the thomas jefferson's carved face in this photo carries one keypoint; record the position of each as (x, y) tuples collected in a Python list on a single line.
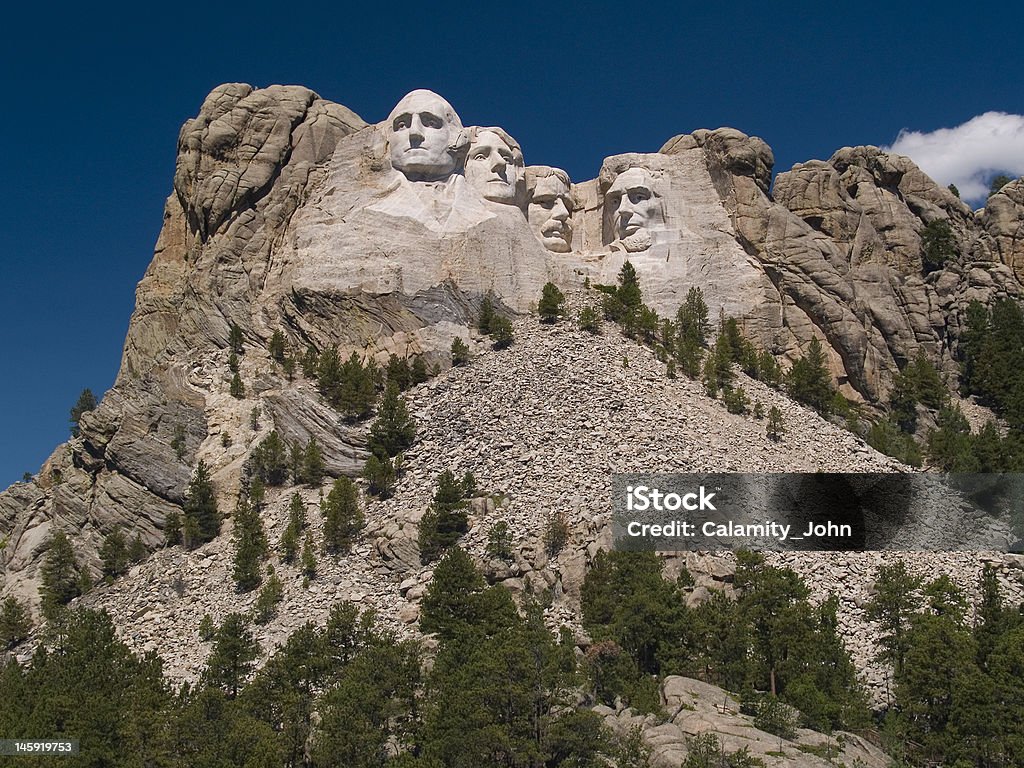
[(495, 168), (423, 131), (633, 203), (549, 213)]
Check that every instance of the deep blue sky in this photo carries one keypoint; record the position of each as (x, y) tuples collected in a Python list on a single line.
[(93, 100)]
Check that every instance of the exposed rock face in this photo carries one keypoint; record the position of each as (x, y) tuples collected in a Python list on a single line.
[(841, 245), (1003, 223), (243, 168), (290, 212)]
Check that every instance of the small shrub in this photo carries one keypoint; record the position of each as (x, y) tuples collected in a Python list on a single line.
[(237, 387), (590, 320), (499, 542), (775, 428), (207, 629), (460, 352), (550, 305), (736, 400), (268, 599), (556, 534), (178, 441), (501, 332), (775, 717)]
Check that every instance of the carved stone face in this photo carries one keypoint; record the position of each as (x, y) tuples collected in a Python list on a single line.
[(635, 208), (495, 168), (423, 136), (549, 213)]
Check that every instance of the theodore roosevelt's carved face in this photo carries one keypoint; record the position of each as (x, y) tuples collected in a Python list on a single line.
[(634, 205), (494, 166), (424, 137), (550, 208)]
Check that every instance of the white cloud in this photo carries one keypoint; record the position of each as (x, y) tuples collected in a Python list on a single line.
[(970, 154)]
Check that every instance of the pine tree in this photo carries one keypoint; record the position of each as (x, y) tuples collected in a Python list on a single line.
[(172, 529), (357, 391), (310, 363), (295, 456), (399, 372), (15, 624), (343, 519), (809, 380), (937, 245), (769, 370), (628, 292), (550, 305), (775, 428), (250, 541), (486, 314), (380, 476), (114, 554), (237, 389), (452, 605), (891, 608), (998, 182), (445, 521), (313, 463), (268, 599), (296, 525), (589, 320), (308, 559), (394, 430), (178, 441), (718, 373), (233, 656), (257, 493), (137, 550), (61, 576), (236, 340), (499, 542), (269, 461), (460, 352), (501, 332), (692, 322), (201, 517), (419, 370), (277, 346), (86, 402)]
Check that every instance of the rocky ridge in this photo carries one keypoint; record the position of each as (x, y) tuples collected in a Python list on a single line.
[(266, 179), (540, 425)]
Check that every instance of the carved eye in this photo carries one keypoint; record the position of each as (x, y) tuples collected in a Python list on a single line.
[(639, 195), (401, 123), (430, 121)]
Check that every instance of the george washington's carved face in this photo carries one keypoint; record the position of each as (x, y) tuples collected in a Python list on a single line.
[(550, 210), (424, 137), (494, 167)]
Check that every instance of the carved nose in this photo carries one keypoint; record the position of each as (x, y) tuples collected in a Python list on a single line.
[(416, 129), (560, 212)]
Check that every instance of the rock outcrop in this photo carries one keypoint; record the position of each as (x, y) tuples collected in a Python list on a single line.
[(291, 213)]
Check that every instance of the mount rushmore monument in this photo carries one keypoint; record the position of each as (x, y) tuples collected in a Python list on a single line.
[(291, 213)]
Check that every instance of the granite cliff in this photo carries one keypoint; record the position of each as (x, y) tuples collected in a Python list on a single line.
[(291, 213)]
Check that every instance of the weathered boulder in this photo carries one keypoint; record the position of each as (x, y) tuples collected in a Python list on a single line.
[(1002, 220)]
